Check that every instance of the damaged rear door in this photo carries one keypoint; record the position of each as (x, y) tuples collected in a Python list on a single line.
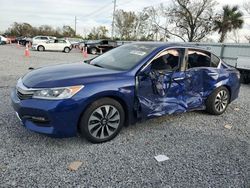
[(161, 84)]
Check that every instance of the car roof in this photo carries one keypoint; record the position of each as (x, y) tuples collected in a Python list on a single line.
[(168, 45)]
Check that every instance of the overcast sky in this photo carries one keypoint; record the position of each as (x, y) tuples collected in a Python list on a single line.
[(62, 12)]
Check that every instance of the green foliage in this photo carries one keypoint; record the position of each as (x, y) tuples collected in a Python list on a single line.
[(230, 19), (98, 33), (25, 29)]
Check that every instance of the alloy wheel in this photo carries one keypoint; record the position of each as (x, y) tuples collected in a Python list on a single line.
[(221, 101), (104, 121)]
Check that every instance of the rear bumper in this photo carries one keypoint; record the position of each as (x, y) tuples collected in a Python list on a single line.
[(58, 118)]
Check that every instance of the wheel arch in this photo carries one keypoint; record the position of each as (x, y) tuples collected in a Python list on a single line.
[(114, 97), (229, 90), (226, 86), (39, 46)]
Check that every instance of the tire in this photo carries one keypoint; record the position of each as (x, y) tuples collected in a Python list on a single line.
[(218, 101), (66, 50), (93, 51), (244, 78), (40, 48), (102, 120)]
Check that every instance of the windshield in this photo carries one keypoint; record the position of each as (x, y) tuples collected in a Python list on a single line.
[(124, 57)]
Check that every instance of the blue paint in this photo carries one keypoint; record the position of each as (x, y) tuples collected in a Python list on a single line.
[(143, 94)]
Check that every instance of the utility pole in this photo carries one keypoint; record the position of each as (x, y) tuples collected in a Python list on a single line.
[(75, 25), (112, 32)]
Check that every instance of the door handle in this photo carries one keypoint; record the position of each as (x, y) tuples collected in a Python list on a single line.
[(178, 79), (213, 74)]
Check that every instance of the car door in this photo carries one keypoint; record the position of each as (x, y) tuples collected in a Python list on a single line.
[(160, 85), (57, 45), (104, 45), (50, 45), (201, 77), (61, 44)]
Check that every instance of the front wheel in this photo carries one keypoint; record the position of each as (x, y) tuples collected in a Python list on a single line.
[(102, 120), (40, 48), (66, 49), (218, 101)]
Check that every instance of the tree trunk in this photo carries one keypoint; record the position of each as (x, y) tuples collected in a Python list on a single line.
[(222, 36)]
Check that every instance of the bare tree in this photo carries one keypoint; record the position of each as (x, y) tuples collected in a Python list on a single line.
[(189, 20), (154, 23), (140, 26), (246, 6), (98, 33), (125, 23), (235, 36), (248, 38)]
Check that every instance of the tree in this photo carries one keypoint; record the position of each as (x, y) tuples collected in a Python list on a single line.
[(21, 29), (230, 19), (45, 30), (246, 6), (68, 31), (102, 31), (98, 33), (153, 24), (125, 23), (189, 20)]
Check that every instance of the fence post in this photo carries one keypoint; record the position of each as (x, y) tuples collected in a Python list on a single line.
[(222, 51)]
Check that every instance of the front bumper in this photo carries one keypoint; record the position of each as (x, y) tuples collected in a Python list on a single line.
[(58, 118)]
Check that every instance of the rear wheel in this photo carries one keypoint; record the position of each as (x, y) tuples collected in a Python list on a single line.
[(93, 51), (66, 50), (102, 120), (218, 101), (40, 48)]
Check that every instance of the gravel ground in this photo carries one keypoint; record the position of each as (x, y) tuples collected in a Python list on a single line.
[(201, 151)]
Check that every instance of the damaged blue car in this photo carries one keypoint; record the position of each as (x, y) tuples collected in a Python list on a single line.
[(132, 82)]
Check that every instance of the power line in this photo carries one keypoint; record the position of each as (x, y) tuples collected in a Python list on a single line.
[(98, 10)]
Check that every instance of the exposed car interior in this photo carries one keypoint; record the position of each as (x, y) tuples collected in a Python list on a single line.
[(168, 61), (198, 59)]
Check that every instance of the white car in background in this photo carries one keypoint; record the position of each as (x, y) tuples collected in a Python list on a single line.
[(3, 39), (39, 39), (53, 45)]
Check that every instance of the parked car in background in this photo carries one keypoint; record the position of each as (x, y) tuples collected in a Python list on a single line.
[(53, 45), (130, 83), (98, 46), (40, 39), (74, 41), (24, 40), (3, 40), (81, 45)]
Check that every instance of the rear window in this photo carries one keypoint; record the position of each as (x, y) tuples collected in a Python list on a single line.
[(197, 58)]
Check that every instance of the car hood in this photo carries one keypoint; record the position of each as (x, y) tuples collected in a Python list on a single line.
[(66, 75)]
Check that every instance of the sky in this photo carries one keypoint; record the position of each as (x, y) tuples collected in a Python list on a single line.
[(89, 13)]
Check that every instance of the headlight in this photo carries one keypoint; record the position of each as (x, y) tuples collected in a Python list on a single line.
[(57, 93)]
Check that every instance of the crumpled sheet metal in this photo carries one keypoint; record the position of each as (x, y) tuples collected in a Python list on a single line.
[(166, 96)]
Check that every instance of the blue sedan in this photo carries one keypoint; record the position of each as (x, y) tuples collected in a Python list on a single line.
[(133, 82)]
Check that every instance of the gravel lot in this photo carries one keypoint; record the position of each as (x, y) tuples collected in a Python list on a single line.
[(202, 152)]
